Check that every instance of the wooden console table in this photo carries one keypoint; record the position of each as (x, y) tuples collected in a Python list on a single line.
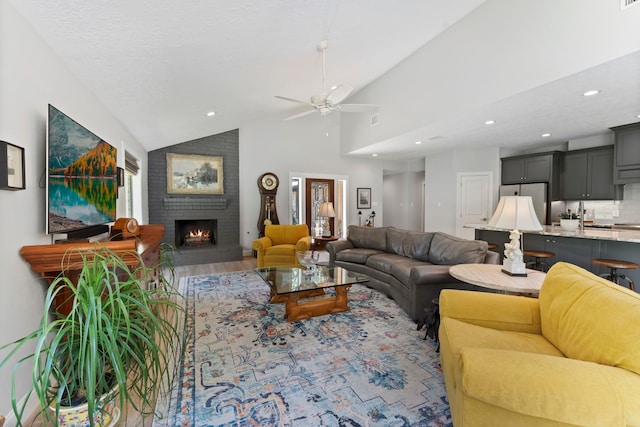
[(50, 260)]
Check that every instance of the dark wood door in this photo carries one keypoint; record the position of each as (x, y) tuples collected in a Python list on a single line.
[(317, 191)]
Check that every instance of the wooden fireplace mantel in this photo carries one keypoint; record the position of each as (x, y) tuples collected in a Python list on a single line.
[(49, 261)]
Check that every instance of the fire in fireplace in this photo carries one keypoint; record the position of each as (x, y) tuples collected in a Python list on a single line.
[(195, 233)]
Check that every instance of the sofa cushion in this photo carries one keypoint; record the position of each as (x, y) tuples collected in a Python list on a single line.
[(356, 255), (395, 239), (368, 237), (416, 245), (450, 250), (590, 318), (384, 262)]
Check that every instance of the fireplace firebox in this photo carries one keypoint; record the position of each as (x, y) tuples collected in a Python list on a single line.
[(195, 232)]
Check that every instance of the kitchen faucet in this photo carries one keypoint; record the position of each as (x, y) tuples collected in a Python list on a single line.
[(581, 214)]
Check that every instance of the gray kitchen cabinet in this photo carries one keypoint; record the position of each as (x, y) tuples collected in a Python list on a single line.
[(517, 170), (534, 168), (588, 175), (627, 154)]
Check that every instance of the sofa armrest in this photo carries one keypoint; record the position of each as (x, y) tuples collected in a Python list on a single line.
[(337, 246), (496, 311), (492, 258), (261, 244), (542, 386), (303, 244)]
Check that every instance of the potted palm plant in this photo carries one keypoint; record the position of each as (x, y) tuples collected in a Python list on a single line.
[(115, 345)]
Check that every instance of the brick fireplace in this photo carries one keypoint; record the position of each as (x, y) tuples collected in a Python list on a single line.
[(183, 213)]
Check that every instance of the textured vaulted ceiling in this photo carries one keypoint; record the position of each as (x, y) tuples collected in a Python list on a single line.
[(160, 65)]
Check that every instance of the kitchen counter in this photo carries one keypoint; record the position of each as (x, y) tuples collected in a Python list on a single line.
[(619, 235), (578, 247)]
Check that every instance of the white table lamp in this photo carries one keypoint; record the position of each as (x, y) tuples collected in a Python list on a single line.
[(326, 211), (515, 213)]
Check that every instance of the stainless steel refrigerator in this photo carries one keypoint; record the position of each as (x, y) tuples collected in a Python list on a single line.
[(538, 193)]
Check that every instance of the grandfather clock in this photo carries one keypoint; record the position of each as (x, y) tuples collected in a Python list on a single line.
[(268, 186)]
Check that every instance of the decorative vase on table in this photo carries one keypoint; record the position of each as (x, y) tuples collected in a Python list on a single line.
[(569, 224)]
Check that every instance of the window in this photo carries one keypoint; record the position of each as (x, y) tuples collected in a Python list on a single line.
[(131, 169)]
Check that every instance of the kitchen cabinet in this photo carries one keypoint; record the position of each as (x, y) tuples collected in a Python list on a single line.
[(516, 170), (627, 154), (588, 175), (532, 168)]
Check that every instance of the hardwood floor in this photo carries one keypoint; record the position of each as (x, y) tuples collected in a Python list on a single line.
[(130, 417)]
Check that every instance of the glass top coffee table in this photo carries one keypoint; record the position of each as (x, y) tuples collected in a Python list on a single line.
[(297, 290)]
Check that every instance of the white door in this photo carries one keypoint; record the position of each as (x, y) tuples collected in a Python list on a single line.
[(475, 201)]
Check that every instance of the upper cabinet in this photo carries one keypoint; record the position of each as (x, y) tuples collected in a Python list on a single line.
[(588, 175), (519, 170), (543, 167), (627, 154)]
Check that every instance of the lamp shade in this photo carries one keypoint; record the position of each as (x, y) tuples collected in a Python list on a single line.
[(326, 210), (515, 213)]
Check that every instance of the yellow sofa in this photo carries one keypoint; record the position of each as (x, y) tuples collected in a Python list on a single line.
[(280, 243), (569, 358)]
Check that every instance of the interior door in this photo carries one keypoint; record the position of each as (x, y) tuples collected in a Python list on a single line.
[(318, 191), (474, 202)]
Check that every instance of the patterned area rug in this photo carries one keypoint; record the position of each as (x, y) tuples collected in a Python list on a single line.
[(246, 366)]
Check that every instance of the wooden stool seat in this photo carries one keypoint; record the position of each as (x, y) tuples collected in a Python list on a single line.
[(492, 246), (538, 254), (613, 265), (539, 263)]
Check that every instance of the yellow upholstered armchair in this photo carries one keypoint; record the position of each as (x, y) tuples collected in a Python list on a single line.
[(569, 358), (280, 243)]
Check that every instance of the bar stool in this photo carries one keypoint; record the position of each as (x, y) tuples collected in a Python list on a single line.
[(540, 256), (614, 265)]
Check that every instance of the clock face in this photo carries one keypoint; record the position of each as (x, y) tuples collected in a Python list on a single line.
[(269, 181), (132, 225)]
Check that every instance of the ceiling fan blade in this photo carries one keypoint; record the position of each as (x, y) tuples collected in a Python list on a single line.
[(304, 113), (294, 100), (358, 108), (339, 94)]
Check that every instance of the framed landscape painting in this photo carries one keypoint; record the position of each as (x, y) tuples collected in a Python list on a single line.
[(364, 198), (194, 174)]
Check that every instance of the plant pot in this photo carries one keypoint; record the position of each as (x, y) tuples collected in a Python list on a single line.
[(78, 416), (569, 224)]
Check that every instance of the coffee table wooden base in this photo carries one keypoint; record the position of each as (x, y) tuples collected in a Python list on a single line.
[(300, 310), (277, 299)]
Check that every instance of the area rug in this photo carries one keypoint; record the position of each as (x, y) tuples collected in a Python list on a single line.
[(246, 366)]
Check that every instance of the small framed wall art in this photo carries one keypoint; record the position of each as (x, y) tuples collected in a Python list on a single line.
[(11, 166), (364, 198)]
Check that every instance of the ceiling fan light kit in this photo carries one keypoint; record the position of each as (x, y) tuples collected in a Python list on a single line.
[(325, 103)]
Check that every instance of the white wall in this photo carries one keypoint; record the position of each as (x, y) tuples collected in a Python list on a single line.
[(31, 77), (474, 64), (403, 200), (440, 183), (300, 145)]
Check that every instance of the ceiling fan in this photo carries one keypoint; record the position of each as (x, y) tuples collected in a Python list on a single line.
[(327, 102)]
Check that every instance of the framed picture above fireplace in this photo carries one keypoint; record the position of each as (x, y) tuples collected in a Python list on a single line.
[(194, 174)]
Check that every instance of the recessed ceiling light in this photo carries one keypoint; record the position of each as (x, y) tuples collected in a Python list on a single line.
[(638, 116), (591, 93), (211, 113), (418, 142), (490, 122), (546, 135), (374, 155)]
